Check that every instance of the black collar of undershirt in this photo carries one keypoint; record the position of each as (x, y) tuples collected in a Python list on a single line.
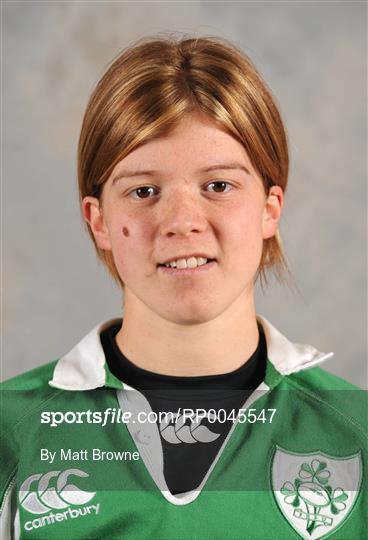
[(247, 376)]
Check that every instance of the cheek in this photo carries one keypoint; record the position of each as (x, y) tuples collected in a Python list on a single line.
[(245, 222), (133, 230), (127, 231), (244, 231)]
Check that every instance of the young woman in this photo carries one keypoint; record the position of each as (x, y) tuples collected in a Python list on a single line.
[(191, 416)]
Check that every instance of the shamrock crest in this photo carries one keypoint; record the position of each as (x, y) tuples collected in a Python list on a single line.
[(310, 493)]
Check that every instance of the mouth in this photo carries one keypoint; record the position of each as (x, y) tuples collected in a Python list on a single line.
[(187, 271), (187, 260)]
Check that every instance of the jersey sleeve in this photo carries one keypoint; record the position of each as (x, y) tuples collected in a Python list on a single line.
[(19, 396)]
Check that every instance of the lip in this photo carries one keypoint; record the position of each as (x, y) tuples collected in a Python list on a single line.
[(187, 271), (204, 256)]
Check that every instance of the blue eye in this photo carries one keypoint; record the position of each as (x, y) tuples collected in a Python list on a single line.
[(219, 182)]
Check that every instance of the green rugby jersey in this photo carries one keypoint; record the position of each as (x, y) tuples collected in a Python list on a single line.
[(81, 457)]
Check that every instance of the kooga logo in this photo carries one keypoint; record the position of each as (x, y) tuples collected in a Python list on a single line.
[(38, 497)]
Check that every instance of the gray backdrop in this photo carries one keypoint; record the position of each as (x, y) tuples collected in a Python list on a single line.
[(313, 55)]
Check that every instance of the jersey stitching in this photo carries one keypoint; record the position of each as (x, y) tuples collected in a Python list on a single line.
[(9, 483), (38, 406), (321, 400)]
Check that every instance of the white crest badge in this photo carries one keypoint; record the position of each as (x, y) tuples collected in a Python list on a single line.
[(315, 492)]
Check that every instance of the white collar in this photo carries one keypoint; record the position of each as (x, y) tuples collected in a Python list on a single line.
[(84, 367)]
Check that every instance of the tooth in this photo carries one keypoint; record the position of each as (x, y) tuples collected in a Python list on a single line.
[(192, 262), (181, 263)]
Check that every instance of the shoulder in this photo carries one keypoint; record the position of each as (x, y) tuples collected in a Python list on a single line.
[(20, 398), (333, 395), (25, 393), (30, 380), (319, 379), (322, 379), (33, 383)]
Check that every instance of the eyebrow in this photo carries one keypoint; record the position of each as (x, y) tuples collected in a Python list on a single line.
[(218, 166)]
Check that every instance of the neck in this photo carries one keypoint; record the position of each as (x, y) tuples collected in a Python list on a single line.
[(218, 346)]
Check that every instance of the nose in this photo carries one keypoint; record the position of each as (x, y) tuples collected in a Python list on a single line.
[(182, 213)]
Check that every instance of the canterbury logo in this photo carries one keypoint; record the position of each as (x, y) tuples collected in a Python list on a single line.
[(182, 433), (37, 496)]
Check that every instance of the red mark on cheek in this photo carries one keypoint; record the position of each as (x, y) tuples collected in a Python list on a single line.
[(125, 231)]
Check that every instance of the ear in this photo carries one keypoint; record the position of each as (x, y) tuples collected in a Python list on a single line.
[(92, 212), (272, 211)]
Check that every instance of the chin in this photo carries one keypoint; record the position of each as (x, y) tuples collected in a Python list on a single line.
[(189, 321), (189, 317)]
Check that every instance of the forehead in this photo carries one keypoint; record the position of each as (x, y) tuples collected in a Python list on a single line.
[(194, 143)]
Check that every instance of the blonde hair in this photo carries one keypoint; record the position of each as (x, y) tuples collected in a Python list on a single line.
[(146, 91)]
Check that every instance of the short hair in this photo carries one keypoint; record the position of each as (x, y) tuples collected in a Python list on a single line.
[(151, 85)]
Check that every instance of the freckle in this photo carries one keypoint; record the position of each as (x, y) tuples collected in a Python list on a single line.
[(125, 231)]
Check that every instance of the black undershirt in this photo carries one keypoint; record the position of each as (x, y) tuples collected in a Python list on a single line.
[(188, 453)]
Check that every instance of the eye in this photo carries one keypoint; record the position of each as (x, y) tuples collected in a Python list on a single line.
[(142, 192), (220, 184)]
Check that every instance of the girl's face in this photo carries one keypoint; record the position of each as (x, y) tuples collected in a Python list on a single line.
[(192, 192)]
